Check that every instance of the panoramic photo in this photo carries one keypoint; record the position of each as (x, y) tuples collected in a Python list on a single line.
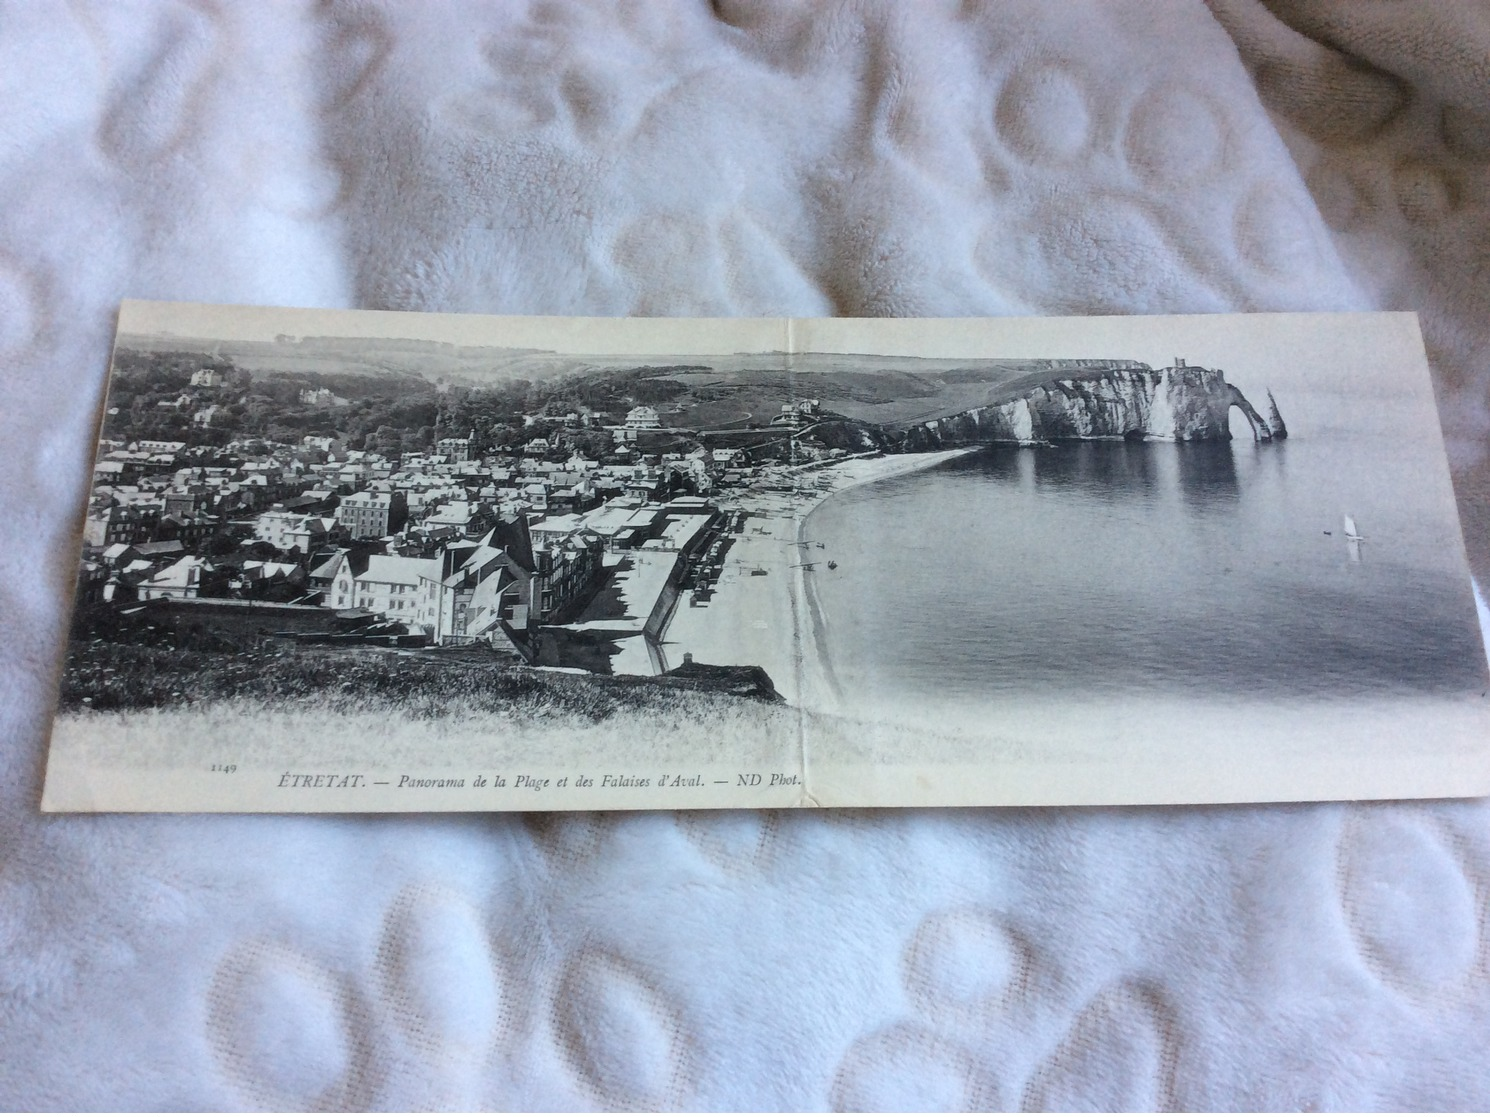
[(363, 553)]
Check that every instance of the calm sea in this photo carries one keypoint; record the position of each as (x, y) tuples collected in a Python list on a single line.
[(1117, 567)]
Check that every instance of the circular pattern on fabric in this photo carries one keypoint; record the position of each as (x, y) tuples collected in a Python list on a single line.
[(963, 959), (1273, 233), (1044, 113), (439, 975), (735, 841), (905, 1068), (620, 1033), (153, 115), (1175, 135), (356, 53), (1411, 910), (277, 1026), (1113, 1059)]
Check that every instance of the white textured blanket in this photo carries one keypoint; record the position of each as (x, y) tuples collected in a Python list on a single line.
[(772, 157)]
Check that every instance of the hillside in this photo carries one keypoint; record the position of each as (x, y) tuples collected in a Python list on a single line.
[(400, 394)]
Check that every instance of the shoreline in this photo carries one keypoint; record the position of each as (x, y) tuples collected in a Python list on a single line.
[(761, 611), (819, 689)]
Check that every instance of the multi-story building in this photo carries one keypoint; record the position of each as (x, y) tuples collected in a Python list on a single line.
[(93, 577), (798, 413), (486, 590), (386, 584), (643, 418), (117, 524), (567, 571), (459, 519), (468, 592), (293, 531), (484, 593), (156, 446), (456, 449), (370, 515), (192, 529), (184, 500)]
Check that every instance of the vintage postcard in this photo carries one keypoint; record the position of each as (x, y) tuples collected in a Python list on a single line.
[(367, 561)]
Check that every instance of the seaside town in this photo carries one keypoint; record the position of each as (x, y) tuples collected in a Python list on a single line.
[(637, 520), (584, 539)]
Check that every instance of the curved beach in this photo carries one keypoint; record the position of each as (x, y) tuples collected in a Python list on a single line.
[(763, 611), (818, 685)]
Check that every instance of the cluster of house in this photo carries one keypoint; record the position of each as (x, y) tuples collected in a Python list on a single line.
[(203, 412), (455, 548), (798, 413), (154, 571)]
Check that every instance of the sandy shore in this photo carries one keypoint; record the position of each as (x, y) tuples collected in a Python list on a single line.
[(760, 610)]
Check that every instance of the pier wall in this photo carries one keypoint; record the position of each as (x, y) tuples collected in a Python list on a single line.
[(667, 601)]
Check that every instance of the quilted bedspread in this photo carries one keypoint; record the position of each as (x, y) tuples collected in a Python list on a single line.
[(840, 157)]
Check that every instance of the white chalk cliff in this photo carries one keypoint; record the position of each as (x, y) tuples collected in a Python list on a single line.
[(1182, 403)]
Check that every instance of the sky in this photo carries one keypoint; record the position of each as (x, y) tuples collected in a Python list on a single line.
[(1376, 354)]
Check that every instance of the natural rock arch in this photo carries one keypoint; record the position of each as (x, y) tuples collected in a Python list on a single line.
[(1261, 432)]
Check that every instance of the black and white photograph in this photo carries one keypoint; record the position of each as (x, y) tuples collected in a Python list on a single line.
[(378, 561)]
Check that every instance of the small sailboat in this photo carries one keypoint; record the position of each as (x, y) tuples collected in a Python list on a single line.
[(1353, 539), (832, 564)]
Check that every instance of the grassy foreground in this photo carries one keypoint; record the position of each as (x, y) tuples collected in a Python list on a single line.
[(104, 676), (278, 703), (544, 725)]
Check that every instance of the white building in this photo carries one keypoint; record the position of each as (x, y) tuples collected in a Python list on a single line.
[(643, 419), (460, 516), (373, 515), (293, 531), (391, 585), (465, 593), (157, 446), (183, 578), (456, 449), (798, 413)]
